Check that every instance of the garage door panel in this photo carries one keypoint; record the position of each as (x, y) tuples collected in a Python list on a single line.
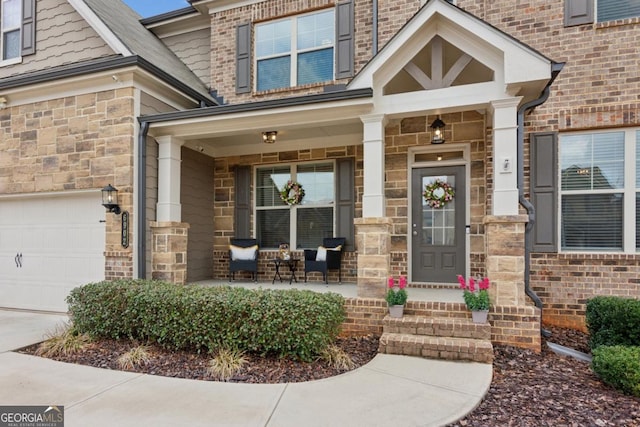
[(62, 243)]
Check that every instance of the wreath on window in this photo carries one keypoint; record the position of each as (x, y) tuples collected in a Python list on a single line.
[(438, 193), (292, 193)]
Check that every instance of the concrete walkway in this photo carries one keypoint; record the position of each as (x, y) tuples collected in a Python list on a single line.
[(388, 391)]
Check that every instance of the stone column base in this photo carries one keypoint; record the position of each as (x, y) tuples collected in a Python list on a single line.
[(169, 251), (505, 258), (373, 242)]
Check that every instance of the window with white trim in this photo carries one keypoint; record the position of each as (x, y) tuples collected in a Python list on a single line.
[(302, 225), (10, 28), (295, 51), (610, 10), (600, 191)]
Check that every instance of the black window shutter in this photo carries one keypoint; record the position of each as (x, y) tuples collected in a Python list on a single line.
[(578, 12), (345, 202), (28, 27), (344, 39), (243, 58), (544, 190), (242, 214)]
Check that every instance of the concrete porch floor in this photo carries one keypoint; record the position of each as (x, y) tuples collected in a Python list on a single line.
[(347, 290)]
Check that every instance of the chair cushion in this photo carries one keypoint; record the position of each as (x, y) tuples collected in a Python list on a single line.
[(321, 255), (239, 253)]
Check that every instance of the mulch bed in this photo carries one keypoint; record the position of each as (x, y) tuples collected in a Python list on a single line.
[(528, 389), (547, 389)]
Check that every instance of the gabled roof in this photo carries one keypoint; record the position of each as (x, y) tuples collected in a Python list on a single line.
[(519, 62), (135, 40)]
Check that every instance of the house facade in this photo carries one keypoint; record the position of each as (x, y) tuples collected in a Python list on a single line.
[(537, 103)]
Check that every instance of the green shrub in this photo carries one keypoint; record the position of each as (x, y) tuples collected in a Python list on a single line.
[(293, 323), (613, 321), (618, 366)]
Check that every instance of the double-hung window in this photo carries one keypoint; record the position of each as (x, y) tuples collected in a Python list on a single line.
[(10, 28), (600, 191), (295, 51), (610, 10), (579, 12), (302, 225)]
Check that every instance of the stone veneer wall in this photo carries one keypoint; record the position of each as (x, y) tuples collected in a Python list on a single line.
[(74, 143)]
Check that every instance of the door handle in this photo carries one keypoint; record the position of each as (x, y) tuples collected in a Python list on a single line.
[(19, 260), (15, 259)]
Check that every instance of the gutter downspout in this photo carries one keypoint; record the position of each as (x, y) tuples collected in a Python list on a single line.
[(141, 226), (524, 202), (374, 30)]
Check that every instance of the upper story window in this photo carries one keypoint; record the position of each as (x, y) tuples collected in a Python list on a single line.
[(303, 225), (17, 30), (295, 51), (610, 10), (600, 191), (579, 12), (10, 27)]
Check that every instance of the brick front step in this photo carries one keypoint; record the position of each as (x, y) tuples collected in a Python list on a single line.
[(437, 327), (437, 347)]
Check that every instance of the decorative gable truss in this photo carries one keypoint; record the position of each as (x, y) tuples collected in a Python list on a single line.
[(445, 58)]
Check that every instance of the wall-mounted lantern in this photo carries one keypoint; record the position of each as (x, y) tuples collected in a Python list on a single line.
[(438, 131), (110, 199)]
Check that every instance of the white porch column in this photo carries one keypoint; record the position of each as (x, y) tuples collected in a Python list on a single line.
[(169, 159), (373, 204), (505, 167)]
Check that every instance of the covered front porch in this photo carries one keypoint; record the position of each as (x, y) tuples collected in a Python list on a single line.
[(216, 179)]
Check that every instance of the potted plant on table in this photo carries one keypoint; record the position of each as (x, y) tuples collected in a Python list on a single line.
[(476, 297), (396, 296)]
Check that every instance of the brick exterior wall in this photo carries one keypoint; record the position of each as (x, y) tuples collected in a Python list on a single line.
[(510, 325), (392, 16), (224, 185), (566, 281), (596, 90)]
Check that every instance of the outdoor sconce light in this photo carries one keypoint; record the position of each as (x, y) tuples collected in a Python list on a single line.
[(269, 137), (110, 199), (438, 131)]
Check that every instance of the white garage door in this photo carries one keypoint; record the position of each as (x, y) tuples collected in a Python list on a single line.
[(48, 246)]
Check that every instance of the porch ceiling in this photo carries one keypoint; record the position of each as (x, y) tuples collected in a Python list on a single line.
[(299, 127)]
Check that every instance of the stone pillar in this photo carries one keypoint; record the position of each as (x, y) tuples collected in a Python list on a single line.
[(373, 200), (505, 156), (169, 172), (169, 251), (505, 258), (373, 240)]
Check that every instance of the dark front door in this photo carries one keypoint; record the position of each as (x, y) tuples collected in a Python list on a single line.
[(438, 233)]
